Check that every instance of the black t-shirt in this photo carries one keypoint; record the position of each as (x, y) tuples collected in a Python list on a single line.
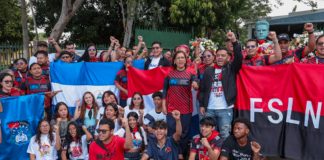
[(233, 151)]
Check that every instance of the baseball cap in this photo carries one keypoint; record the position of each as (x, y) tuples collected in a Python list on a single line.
[(283, 36), (41, 43)]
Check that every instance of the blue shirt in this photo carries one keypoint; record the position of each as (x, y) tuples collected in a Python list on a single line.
[(169, 151)]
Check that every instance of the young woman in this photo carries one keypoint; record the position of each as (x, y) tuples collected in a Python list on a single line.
[(177, 96), (22, 71), (111, 112), (86, 114), (138, 136), (107, 97), (6, 86), (44, 145), (137, 106), (61, 119), (90, 54), (121, 81), (75, 146)]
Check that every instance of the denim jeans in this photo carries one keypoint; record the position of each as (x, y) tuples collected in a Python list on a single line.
[(223, 120)]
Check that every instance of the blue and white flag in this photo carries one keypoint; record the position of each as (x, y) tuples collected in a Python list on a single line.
[(76, 78), (19, 120)]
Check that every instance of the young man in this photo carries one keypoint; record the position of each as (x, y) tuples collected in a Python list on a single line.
[(207, 145), (157, 59), (108, 146), (163, 147), (239, 145), (42, 60), (42, 46), (217, 89), (291, 56), (256, 58), (66, 56), (155, 114)]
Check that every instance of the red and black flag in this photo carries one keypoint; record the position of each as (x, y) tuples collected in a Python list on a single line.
[(284, 105)]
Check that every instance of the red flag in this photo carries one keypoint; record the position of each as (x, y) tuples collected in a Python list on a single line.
[(146, 81)]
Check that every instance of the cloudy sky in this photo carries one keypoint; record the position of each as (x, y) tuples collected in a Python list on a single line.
[(289, 5)]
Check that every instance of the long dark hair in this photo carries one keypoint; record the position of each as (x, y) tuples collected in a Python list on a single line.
[(135, 115), (109, 94), (69, 139), (57, 106), (39, 133), (132, 102), (85, 57), (83, 105)]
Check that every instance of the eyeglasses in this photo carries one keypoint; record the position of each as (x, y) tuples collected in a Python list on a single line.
[(7, 81), (320, 43), (103, 131), (207, 56), (137, 99), (44, 126), (250, 47), (65, 57), (91, 49), (20, 63)]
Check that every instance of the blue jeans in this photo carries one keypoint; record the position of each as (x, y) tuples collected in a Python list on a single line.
[(223, 120)]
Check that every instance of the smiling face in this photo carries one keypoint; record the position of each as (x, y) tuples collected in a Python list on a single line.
[(137, 100), (320, 46), (156, 50), (92, 51), (206, 130), (72, 130), (21, 65), (88, 99), (208, 57), (180, 60), (110, 112), (36, 70), (251, 47), (7, 83)]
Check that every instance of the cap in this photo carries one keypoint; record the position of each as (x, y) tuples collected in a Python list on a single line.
[(283, 36), (41, 43)]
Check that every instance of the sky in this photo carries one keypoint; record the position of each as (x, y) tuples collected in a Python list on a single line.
[(289, 5)]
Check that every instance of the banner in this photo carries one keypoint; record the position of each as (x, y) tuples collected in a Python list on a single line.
[(76, 78), (284, 105), (19, 120)]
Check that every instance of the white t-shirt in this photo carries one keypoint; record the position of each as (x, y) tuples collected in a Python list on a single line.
[(156, 116), (137, 139), (216, 97), (46, 151), (33, 59), (154, 63), (77, 150)]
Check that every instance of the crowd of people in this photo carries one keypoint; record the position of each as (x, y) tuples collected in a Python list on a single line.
[(116, 130)]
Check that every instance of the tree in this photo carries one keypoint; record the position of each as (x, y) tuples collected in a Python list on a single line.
[(24, 25), (68, 10), (10, 21)]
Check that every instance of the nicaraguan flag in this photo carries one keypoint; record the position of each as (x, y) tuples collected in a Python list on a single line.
[(19, 120), (76, 78)]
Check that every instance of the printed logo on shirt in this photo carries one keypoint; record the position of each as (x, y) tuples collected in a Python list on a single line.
[(124, 79), (180, 82), (217, 87), (38, 87), (153, 65), (19, 132), (76, 150), (44, 149)]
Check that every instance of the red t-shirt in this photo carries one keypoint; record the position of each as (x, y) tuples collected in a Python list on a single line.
[(115, 150), (13, 92)]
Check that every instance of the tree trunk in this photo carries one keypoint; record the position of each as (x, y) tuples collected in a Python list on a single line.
[(35, 41), (131, 9), (67, 12), (24, 28)]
